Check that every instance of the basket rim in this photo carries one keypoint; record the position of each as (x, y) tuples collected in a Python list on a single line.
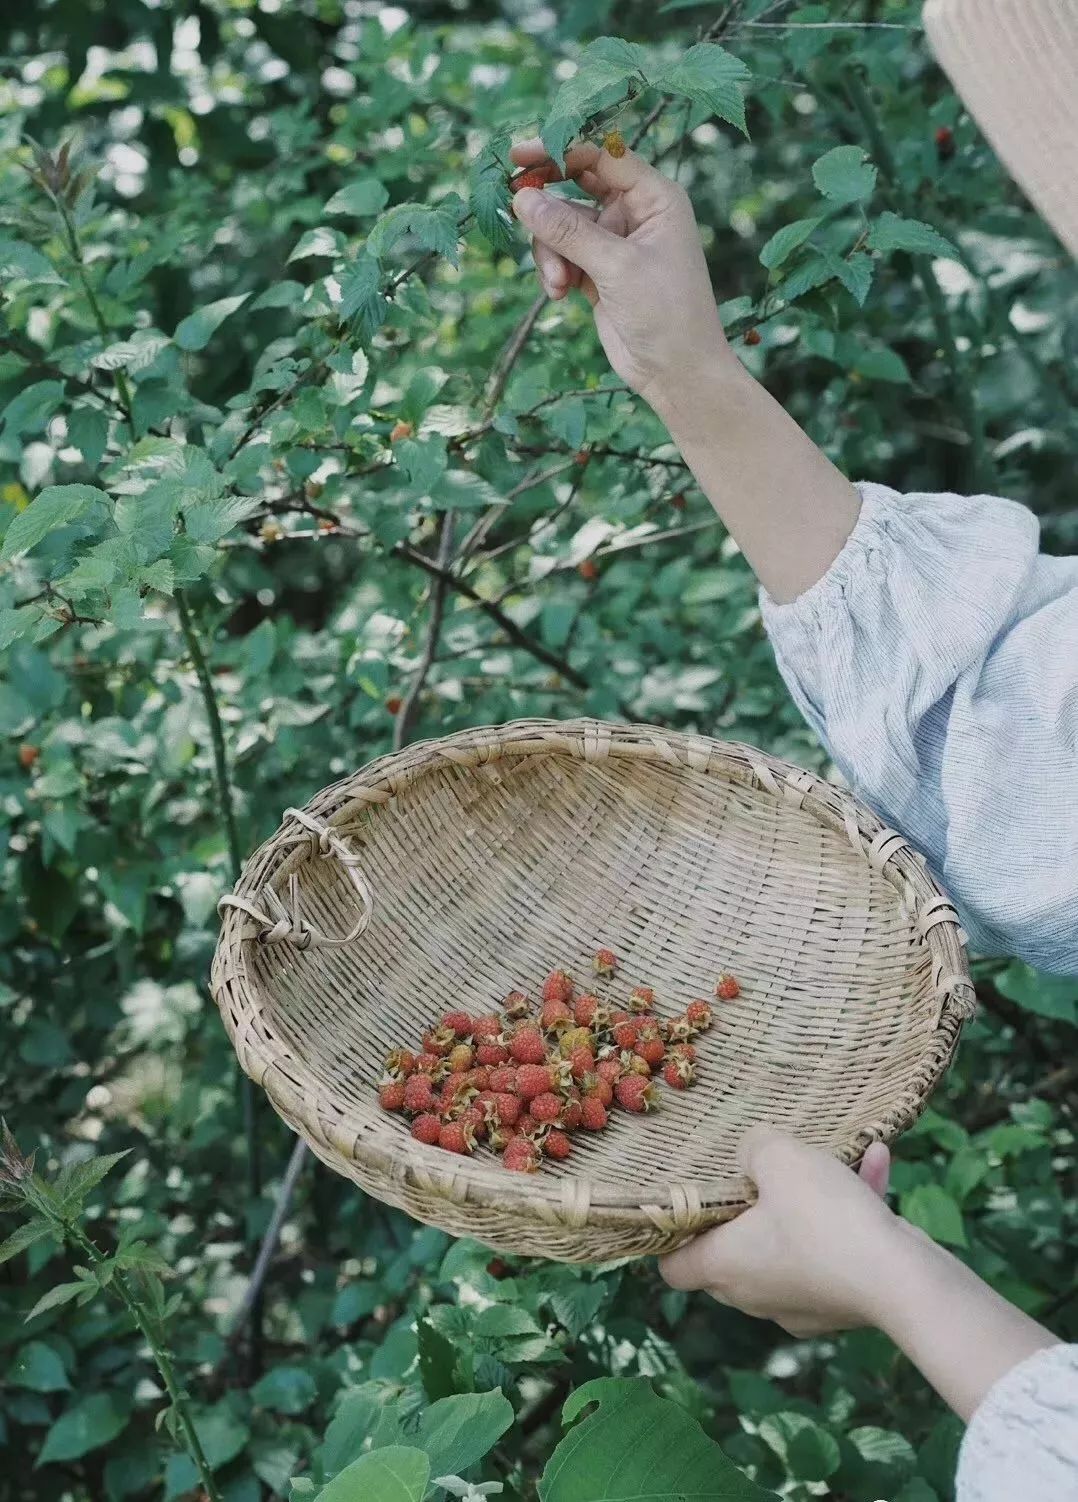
[(568, 1199)]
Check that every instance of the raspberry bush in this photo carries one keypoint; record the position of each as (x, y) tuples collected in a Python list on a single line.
[(294, 467)]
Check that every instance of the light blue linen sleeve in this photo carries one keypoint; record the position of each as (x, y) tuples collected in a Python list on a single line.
[(937, 659), (1023, 1439)]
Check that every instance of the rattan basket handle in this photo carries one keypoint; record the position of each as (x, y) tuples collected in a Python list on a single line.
[(281, 923)]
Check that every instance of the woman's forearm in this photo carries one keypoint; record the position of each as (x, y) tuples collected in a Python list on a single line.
[(786, 505), (957, 1331)]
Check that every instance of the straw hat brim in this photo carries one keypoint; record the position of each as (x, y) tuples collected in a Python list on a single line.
[(1015, 65)]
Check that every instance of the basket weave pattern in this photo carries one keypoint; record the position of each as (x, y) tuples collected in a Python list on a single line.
[(460, 869)]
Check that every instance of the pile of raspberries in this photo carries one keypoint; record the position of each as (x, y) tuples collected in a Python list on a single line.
[(522, 1081)]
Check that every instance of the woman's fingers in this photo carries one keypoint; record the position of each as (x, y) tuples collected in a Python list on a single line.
[(571, 230), (875, 1168), (557, 274)]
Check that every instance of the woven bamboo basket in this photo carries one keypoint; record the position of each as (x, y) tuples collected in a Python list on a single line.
[(463, 868)]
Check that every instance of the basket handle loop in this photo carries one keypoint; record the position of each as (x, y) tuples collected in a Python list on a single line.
[(285, 924)]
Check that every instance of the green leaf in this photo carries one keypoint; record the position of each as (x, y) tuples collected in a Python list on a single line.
[(1051, 996), (810, 1452), (211, 520), (855, 273), (91, 1423), (891, 232), (88, 431), (31, 409), (805, 278), (397, 1474), (286, 1389), (844, 174), (22, 1237), (786, 240), (490, 196), (936, 1212), (637, 1445), (361, 293), (75, 1182), (436, 229), (320, 241), (38, 1367), (22, 263), (883, 1446), (437, 1361), (883, 365), (195, 331), (54, 507), (711, 76), (362, 198), (134, 354)]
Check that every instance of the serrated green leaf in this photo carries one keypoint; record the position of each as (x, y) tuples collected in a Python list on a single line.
[(195, 331), (76, 1181), (362, 295), (891, 232), (844, 174), (50, 509), (19, 262), (711, 76), (490, 198), (855, 273), (813, 273), (60, 1294), (209, 521), (285, 1389), (436, 229), (22, 1237), (31, 409), (362, 198), (786, 240), (134, 354)]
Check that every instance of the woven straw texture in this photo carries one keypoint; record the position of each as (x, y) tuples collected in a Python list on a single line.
[(460, 869)]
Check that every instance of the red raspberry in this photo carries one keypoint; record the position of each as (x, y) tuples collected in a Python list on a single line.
[(391, 1096), (400, 1063), (527, 1126), (684, 1051), (605, 963), (480, 1077), (727, 988), (595, 1087), (503, 1078), (753, 337), (554, 1015), (626, 1034), (593, 1114), (610, 1070), (527, 1046), (460, 1058), (635, 1094), (945, 147), (474, 1118), (558, 987), (535, 177), (507, 1108), (429, 1064), (641, 999), (457, 1137), (491, 1053), (557, 1145), (499, 1138), (581, 1062), (588, 570), (679, 1073), (653, 1050), (546, 1107), (516, 1005), (571, 1116), (439, 1040), (698, 1015), (459, 1022), (589, 1011), (428, 1129), (679, 1030), (488, 1029), (419, 1093), (532, 1080), (521, 1156)]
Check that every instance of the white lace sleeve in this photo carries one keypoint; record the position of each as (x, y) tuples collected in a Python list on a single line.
[(1023, 1440), (938, 661)]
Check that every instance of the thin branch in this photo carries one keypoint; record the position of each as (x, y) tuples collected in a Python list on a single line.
[(406, 716), (828, 26), (513, 351), (253, 1295)]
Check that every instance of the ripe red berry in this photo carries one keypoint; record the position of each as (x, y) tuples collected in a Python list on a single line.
[(536, 177), (402, 430), (439, 1040), (605, 963), (428, 1129), (581, 1062), (635, 1093), (503, 1078), (588, 570), (679, 1073), (589, 1011), (594, 1086), (945, 147), (593, 1114), (516, 1005), (610, 1070), (491, 1053), (527, 1046), (558, 987), (479, 1078), (554, 1015), (429, 1064), (546, 1107), (487, 1028), (507, 1108), (459, 1022), (678, 502), (641, 999), (400, 1063), (527, 1126), (684, 1051), (582, 457), (698, 1015), (497, 1267), (521, 1155), (652, 1050), (626, 1034), (391, 1096), (532, 1080), (614, 144), (457, 1137), (571, 1116), (753, 336), (27, 755), (557, 1145), (419, 1093), (394, 703), (727, 988)]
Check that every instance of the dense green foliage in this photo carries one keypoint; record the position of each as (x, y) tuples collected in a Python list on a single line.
[(280, 237)]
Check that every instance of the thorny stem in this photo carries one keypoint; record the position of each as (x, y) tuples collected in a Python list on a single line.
[(74, 245)]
